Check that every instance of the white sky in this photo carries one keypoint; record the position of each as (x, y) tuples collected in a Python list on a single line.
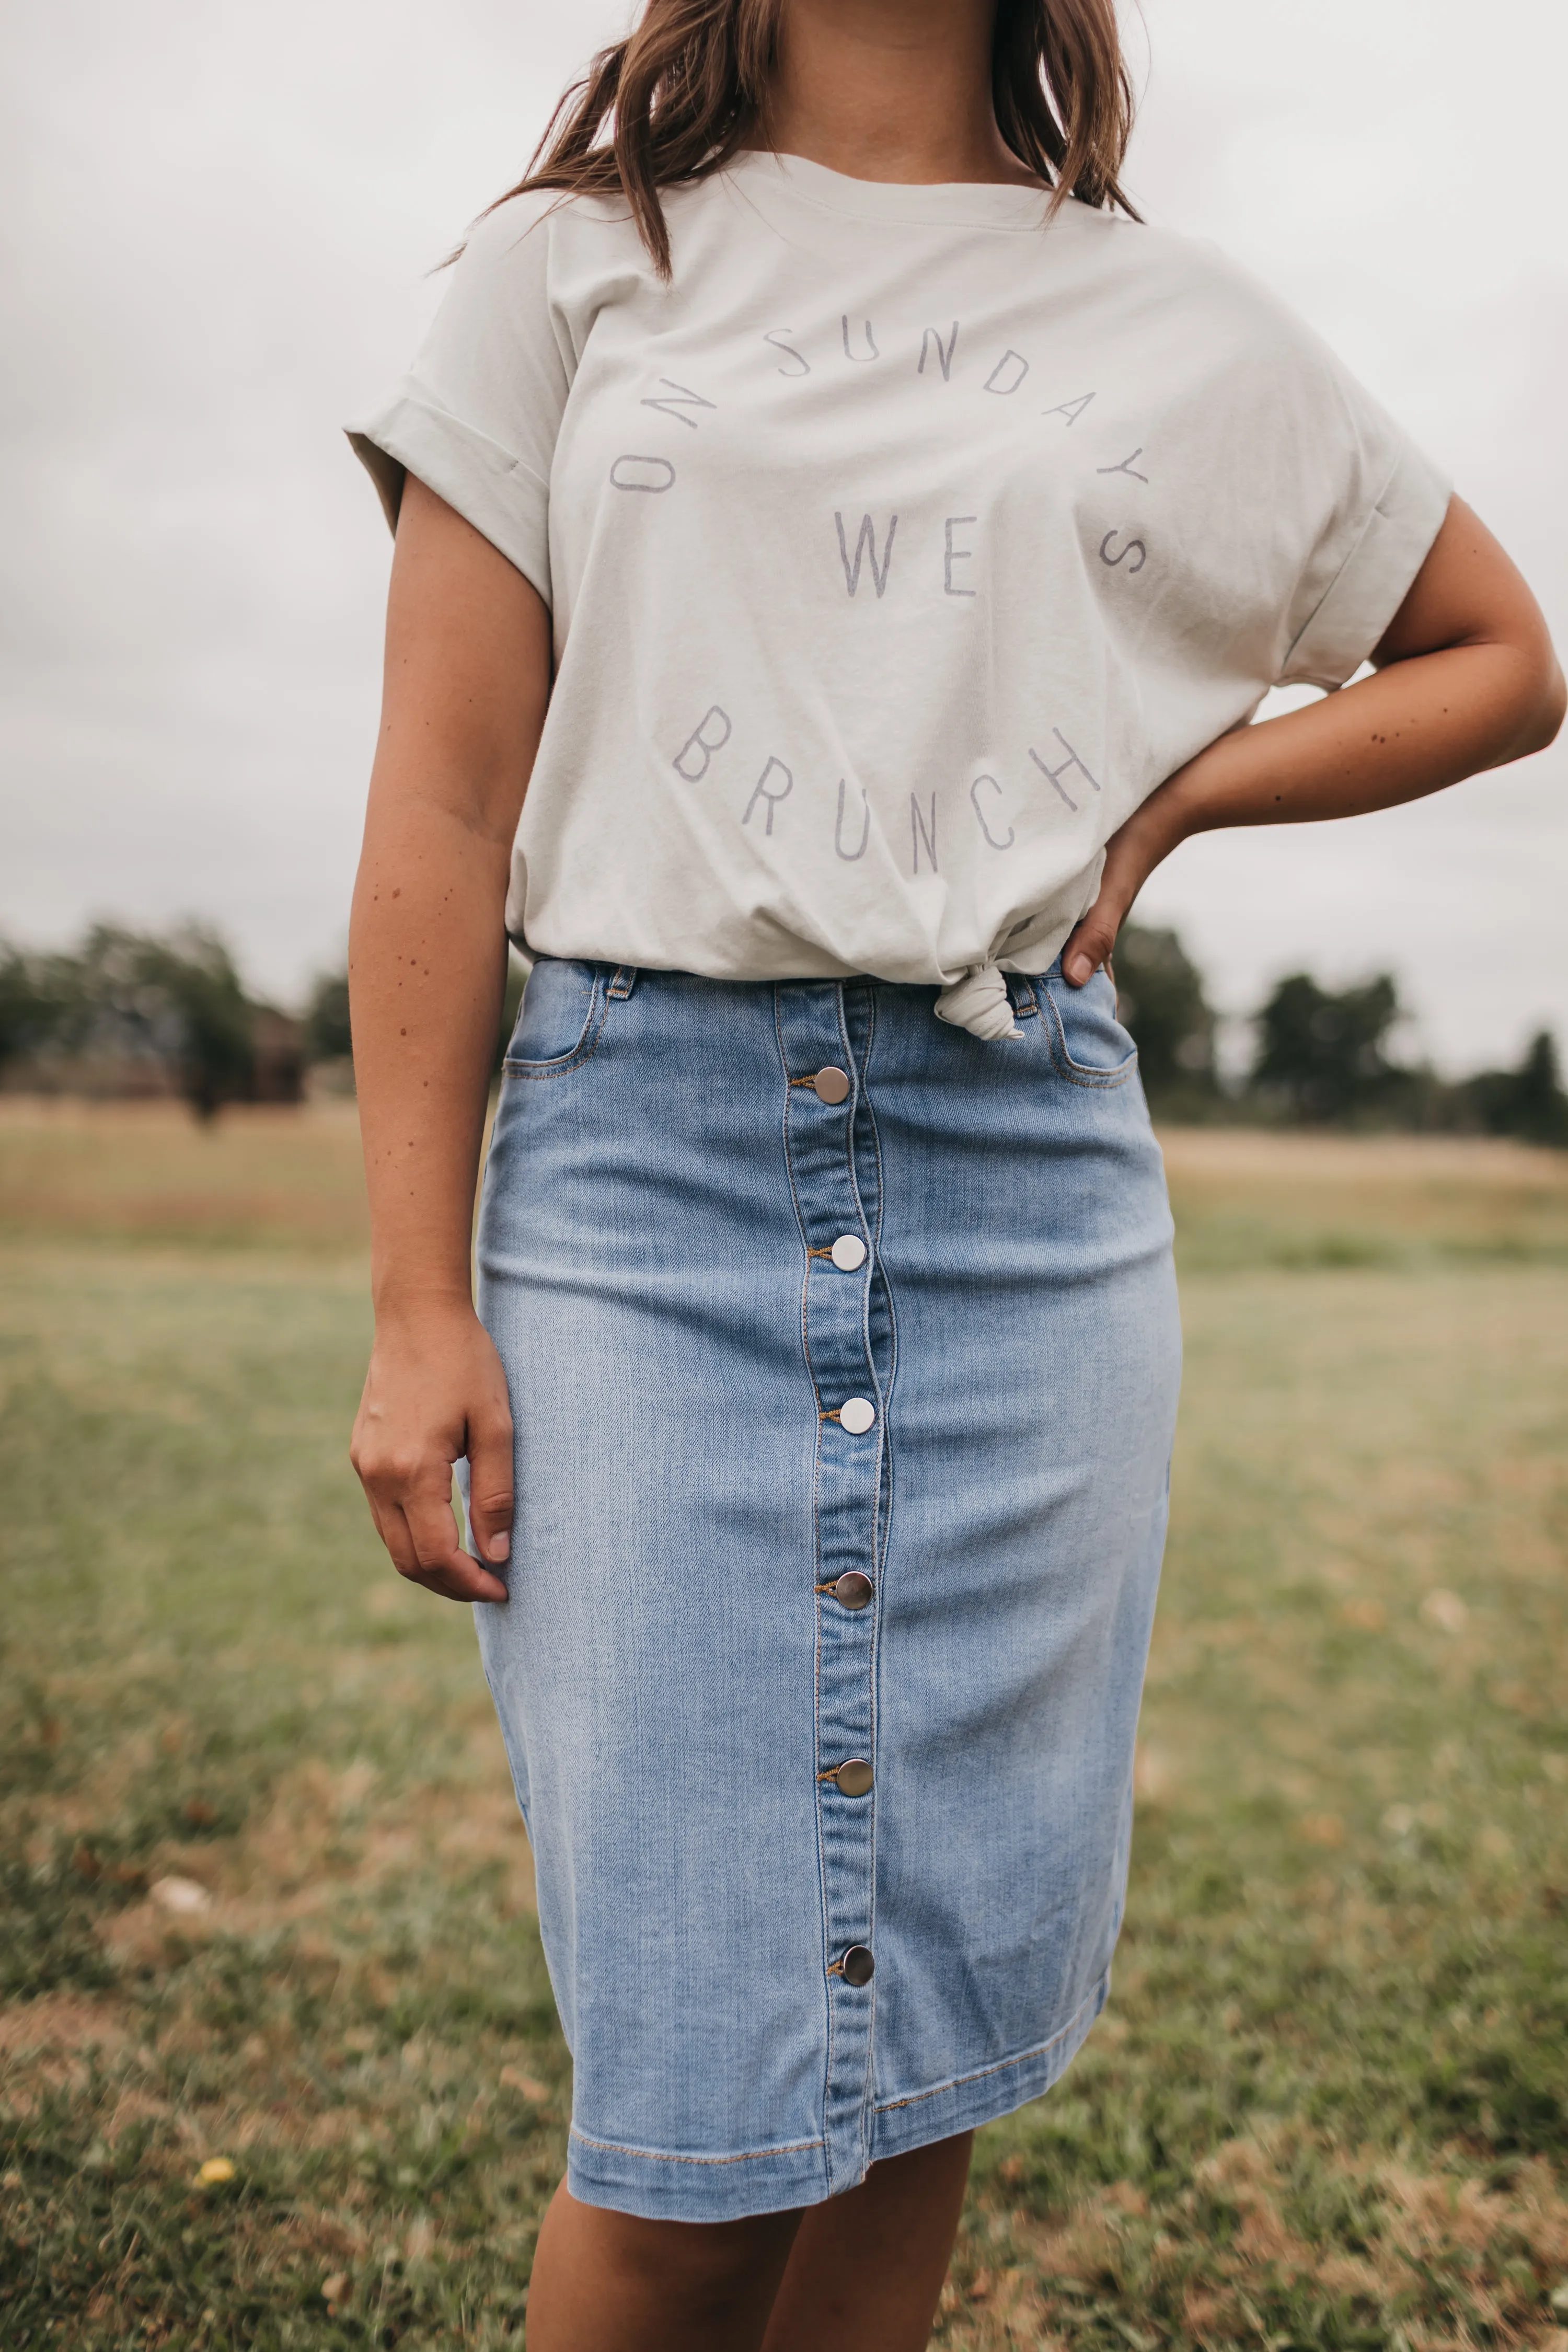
[(216, 226)]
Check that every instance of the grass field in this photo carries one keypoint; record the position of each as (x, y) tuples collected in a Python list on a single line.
[(279, 2063)]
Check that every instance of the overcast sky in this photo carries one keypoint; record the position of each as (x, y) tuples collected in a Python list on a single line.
[(217, 222)]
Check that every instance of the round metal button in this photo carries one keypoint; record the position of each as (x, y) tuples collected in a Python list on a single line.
[(832, 1084), (849, 1252), (855, 1778), (852, 1590), (858, 1966), (856, 1414)]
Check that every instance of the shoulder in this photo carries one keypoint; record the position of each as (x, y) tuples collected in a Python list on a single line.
[(524, 232), (1188, 302), (1193, 277), (1143, 252)]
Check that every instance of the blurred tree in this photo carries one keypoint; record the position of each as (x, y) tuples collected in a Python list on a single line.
[(1540, 1107), (328, 1037), (37, 992), (17, 1007), (1160, 998), (1528, 1102), (178, 998), (1322, 1053)]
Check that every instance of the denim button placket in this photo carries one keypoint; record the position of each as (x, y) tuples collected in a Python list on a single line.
[(831, 1148)]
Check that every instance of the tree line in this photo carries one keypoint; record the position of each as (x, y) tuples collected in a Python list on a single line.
[(132, 1011), (1320, 1057)]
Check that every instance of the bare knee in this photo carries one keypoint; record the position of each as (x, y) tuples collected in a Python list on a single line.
[(700, 2276), (702, 2266)]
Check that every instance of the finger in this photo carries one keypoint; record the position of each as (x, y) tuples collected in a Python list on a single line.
[(469, 1582), (491, 1486), (393, 1528), (440, 1564), (370, 1505), (1088, 945), (465, 1579), (380, 1493)]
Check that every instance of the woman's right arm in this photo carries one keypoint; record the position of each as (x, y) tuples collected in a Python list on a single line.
[(466, 682)]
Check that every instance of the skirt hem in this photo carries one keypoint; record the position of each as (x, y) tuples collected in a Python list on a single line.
[(925, 2116), (660, 2186)]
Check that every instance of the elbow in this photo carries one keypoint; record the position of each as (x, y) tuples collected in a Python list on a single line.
[(1540, 706), (1554, 709)]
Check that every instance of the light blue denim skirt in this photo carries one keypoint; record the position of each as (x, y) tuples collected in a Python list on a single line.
[(843, 1350)]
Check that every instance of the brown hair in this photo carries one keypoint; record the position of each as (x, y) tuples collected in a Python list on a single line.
[(691, 82)]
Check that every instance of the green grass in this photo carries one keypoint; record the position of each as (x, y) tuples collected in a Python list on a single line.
[(1328, 2104)]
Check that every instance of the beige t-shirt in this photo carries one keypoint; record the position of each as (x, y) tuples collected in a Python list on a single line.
[(896, 550)]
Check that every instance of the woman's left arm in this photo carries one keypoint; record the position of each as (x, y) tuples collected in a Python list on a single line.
[(1466, 679)]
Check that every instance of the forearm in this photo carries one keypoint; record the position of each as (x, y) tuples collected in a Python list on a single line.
[(427, 971), (1412, 728), (468, 679)]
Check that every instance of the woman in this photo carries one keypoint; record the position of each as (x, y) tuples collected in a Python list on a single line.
[(865, 542)]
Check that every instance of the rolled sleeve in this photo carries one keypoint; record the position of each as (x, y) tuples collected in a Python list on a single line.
[(1375, 577), (477, 417), (505, 500)]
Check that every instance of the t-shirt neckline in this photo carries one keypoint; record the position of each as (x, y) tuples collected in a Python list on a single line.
[(941, 204)]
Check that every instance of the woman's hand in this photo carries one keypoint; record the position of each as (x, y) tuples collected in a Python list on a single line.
[(435, 1393), (1132, 855), (1466, 679)]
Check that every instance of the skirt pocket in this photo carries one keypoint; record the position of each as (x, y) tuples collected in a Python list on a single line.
[(1089, 1044), (560, 1018)]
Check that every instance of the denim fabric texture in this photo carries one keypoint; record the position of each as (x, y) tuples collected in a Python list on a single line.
[(676, 1677)]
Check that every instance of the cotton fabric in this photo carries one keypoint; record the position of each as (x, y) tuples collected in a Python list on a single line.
[(675, 1673), (895, 551)]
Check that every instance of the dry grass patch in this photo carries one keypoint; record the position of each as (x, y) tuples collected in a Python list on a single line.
[(1280, 2238), (1247, 1198), (257, 1175)]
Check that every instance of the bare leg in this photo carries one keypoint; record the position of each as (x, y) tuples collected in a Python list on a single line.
[(606, 2282), (867, 2268)]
